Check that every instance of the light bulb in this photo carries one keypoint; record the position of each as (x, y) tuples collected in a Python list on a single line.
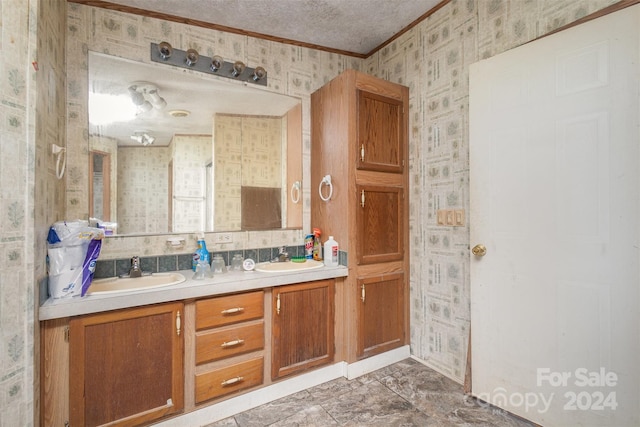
[(165, 50), (238, 68), (258, 74), (192, 57), (216, 63)]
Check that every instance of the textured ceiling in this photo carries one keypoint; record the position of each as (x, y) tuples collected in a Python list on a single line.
[(357, 26)]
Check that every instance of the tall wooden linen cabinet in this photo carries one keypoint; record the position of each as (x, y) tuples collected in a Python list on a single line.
[(359, 136)]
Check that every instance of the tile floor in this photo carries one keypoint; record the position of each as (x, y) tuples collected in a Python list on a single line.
[(406, 393)]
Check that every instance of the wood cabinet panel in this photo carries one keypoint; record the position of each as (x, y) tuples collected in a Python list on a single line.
[(219, 344), (380, 140), (126, 367), (380, 219), (380, 313), (303, 331), (229, 379), (54, 375), (229, 309)]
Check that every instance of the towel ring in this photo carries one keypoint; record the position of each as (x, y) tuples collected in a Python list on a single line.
[(295, 192), (326, 181), (60, 153)]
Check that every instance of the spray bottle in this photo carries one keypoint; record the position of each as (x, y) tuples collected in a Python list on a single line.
[(201, 253)]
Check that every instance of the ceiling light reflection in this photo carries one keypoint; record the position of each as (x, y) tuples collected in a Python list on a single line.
[(105, 109)]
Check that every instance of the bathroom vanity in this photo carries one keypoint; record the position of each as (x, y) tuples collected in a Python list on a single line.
[(134, 357)]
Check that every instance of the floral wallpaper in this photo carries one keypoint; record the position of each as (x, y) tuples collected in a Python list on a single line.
[(32, 118), (432, 59)]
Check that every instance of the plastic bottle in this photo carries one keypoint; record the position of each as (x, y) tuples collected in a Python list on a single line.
[(331, 253), (201, 253), (308, 246), (317, 244)]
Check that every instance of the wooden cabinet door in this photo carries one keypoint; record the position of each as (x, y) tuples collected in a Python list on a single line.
[(380, 314), (126, 367), (381, 127), (303, 335), (380, 220)]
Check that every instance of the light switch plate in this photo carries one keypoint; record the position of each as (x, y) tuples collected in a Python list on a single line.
[(450, 217), (442, 217), (459, 217)]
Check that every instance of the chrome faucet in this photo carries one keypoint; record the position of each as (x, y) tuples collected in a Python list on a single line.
[(283, 255), (135, 270)]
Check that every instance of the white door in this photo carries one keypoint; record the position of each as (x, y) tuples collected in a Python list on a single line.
[(554, 155)]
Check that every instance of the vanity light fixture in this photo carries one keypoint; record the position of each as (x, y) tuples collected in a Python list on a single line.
[(191, 59)]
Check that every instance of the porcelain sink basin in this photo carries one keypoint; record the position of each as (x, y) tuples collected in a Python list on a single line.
[(126, 284), (283, 267)]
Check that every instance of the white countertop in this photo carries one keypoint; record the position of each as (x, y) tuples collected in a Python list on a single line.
[(230, 282)]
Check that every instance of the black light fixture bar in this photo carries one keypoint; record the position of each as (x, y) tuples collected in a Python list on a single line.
[(202, 64)]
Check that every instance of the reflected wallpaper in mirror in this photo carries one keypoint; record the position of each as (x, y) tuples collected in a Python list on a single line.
[(173, 151)]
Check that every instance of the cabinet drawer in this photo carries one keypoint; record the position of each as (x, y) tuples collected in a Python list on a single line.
[(229, 309), (230, 379), (230, 342)]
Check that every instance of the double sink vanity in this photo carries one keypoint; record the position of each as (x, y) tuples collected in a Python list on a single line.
[(133, 356)]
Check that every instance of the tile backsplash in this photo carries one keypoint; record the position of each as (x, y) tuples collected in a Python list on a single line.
[(176, 262)]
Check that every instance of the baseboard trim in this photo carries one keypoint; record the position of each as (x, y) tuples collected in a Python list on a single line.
[(373, 363), (253, 399)]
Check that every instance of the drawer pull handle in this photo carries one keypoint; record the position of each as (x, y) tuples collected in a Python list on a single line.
[(234, 310), (232, 343), (232, 381), (178, 323)]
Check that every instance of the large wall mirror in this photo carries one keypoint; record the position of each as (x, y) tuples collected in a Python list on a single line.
[(174, 151)]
